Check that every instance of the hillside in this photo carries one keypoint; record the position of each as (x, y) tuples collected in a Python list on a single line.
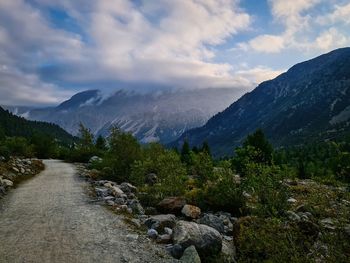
[(310, 102), (150, 116), (13, 125)]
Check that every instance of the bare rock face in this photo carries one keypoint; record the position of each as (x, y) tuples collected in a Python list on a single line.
[(171, 205), (206, 240), (191, 211)]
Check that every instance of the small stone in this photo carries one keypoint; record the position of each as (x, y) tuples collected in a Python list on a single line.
[(15, 169), (291, 200), (175, 250), (128, 188), (152, 233), (132, 237), (164, 239), (110, 202), (168, 231), (293, 216), (191, 211), (190, 255), (6, 183)]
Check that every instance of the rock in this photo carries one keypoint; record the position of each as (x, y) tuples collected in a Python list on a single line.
[(94, 159), (191, 211), (291, 200), (159, 222), (206, 239), (293, 216), (164, 239), (15, 169), (117, 192), (110, 202), (190, 255), (128, 188), (136, 207), (6, 183), (175, 250), (102, 192), (171, 205), (168, 231), (328, 223), (151, 179), (152, 233), (120, 201), (2, 159), (213, 221), (22, 170), (109, 197), (228, 251), (2, 190)]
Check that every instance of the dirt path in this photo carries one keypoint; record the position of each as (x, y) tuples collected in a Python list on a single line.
[(51, 219)]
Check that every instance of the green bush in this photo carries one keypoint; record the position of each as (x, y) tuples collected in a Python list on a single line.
[(170, 171), (264, 183)]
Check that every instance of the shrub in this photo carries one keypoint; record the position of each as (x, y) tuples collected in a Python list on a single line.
[(265, 184)]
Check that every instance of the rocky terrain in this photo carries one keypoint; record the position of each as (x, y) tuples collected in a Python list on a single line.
[(16, 170), (316, 211)]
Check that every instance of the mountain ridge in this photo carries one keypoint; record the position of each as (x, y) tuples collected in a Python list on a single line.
[(291, 106)]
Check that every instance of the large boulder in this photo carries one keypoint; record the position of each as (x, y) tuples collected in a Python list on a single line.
[(172, 205), (191, 211), (190, 255), (159, 222), (213, 221), (206, 239)]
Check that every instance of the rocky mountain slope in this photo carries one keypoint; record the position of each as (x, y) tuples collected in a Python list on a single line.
[(153, 116), (311, 101)]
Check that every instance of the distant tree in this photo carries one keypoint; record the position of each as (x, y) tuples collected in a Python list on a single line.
[(255, 150), (206, 148), (86, 137), (186, 153), (2, 134), (195, 149), (258, 141), (100, 143)]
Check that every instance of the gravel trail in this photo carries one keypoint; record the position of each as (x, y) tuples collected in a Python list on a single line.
[(50, 218)]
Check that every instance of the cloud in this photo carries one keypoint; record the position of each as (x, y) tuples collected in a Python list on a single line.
[(264, 44), (168, 42), (19, 88), (301, 28), (259, 74)]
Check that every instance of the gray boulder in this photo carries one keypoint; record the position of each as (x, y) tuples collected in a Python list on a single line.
[(152, 233), (190, 255), (159, 222), (136, 207), (213, 221), (206, 239)]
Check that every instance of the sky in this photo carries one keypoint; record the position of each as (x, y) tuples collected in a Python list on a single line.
[(52, 49)]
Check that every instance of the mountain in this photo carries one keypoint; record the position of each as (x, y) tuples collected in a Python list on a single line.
[(13, 125), (150, 116), (309, 102)]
